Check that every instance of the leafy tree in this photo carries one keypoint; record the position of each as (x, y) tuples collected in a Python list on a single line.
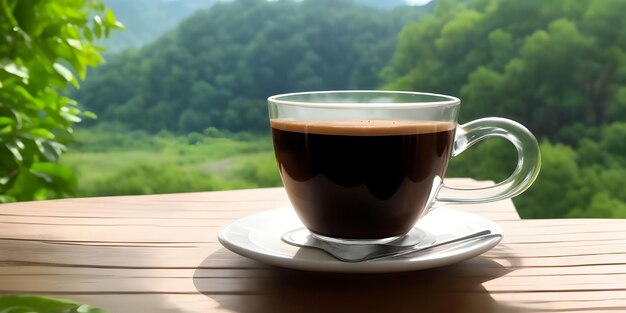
[(602, 205), (489, 160), (44, 46), (548, 64), (558, 188)]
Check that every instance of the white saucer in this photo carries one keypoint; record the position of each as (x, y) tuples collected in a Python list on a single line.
[(258, 237)]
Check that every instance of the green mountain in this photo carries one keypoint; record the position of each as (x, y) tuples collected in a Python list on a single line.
[(217, 68), (145, 20)]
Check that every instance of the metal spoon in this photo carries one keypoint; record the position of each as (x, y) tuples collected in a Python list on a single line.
[(367, 252)]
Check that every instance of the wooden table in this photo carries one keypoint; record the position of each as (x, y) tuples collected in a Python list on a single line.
[(160, 254)]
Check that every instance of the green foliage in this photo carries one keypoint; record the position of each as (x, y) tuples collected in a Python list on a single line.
[(220, 65), (557, 190), (113, 161), (38, 304), (44, 45), (602, 205), (261, 171), (550, 65), (490, 160), (586, 182), (150, 178)]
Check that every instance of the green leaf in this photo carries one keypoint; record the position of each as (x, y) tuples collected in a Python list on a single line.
[(88, 34), (89, 114), (8, 12), (42, 132), (97, 26), (21, 91), (70, 117), (75, 43), (6, 199), (51, 150), (72, 31), (15, 151), (24, 37), (118, 25), (64, 72), (6, 120), (37, 304), (18, 143), (12, 68), (110, 18), (98, 20), (56, 175)]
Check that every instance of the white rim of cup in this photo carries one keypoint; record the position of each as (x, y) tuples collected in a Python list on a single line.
[(449, 100)]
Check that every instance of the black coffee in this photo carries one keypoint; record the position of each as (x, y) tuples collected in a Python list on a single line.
[(361, 179)]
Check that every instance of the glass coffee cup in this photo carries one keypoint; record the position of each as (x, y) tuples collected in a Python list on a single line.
[(364, 166)]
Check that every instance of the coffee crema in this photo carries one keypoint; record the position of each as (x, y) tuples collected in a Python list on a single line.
[(363, 127), (361, 179)]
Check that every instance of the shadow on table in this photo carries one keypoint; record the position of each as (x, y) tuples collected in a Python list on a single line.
[(455, 288)]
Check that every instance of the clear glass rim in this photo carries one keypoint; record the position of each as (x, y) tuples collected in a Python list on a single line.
[(446, 101)]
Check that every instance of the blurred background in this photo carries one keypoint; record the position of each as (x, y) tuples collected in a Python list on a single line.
[(180, 99)]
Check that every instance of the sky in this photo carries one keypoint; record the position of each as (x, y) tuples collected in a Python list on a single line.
[(417, 2)]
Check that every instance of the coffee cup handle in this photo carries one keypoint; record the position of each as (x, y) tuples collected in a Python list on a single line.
[(526, 171)]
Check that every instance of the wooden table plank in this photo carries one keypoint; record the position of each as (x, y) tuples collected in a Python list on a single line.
[(537, 250), (159, 254)]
